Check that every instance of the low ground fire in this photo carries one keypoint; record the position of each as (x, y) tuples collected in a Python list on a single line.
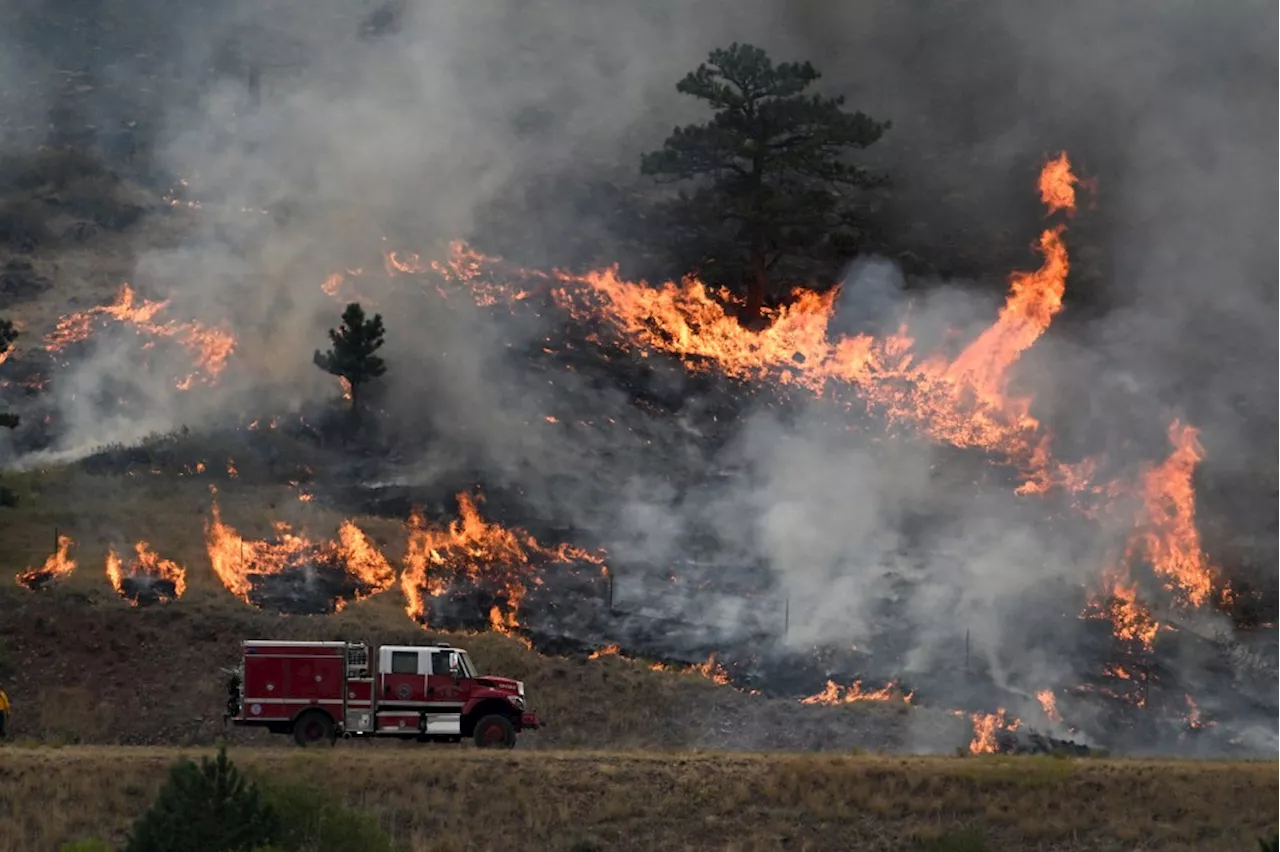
[(209, 347), (471, 572), (292, 573), (54, 570), (145, 578)]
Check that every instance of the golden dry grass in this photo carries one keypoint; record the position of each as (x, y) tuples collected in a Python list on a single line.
[(442, 798)]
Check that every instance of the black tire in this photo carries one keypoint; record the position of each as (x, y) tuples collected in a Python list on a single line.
[(495, 731), (313, 728)]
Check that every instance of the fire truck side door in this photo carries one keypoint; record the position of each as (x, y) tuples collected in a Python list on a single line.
[(404, 676), (445, 690)]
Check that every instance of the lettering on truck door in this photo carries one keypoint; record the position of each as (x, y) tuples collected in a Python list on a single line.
[(404, 681), (447, 690)]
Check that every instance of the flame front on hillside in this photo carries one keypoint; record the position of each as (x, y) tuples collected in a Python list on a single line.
[(146, 578), (960, 399), (54, 570), (836, 694), (209, 347), (294, 573), (472, 563)]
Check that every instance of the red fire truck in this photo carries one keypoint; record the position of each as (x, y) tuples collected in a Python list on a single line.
[(319, 691)]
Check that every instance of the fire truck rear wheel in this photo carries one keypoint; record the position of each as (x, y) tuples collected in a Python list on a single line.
[(313, 728), (495, 731)]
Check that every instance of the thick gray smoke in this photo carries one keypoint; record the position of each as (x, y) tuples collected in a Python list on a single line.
[(411, 138)]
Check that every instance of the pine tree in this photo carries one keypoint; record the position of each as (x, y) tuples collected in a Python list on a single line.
[(352, 354), (207, 808), (770, 178)]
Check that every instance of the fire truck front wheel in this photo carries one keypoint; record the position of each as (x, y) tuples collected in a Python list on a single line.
[(313, 728), (495, 731)]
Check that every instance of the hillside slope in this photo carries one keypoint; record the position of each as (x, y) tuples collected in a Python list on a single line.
[(83, 666)]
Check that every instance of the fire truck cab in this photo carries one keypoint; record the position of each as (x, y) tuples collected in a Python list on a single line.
[(319, 691)]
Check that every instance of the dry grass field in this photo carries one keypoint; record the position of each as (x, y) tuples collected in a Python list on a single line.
[(442, 799)]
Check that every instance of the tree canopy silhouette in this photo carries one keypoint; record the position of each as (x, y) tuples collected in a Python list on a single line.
[(772, 186), (351, 355)]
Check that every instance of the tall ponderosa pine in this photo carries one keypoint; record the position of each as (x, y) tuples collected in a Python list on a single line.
[(352, 355), (205, 808), (771, 182), (8, 334)]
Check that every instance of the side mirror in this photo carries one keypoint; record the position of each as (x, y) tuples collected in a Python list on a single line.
[(455, 667)]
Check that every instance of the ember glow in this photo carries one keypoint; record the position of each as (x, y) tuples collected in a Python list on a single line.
[(54, 570), (209, 347), (145, 577), (353, 561), (470, 554)]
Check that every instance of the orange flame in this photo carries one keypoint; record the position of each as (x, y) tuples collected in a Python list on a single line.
[(210, 347), (55, 569), (960, 401), (410, 264), (474, 552), (985, 728), (236, 560), (1049, 703), (836, 694), (1131, 620), (147, 566), (1168, 537), (606, 651), (1057, 185)]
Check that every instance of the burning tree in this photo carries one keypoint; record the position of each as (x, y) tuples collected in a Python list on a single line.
[(772, 182), (352, 358)]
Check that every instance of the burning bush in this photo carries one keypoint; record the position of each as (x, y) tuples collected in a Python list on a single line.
[(55, 569), (472, 573), (294, 574), (146, 578)]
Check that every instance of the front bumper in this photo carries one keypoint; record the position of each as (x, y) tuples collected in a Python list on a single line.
[(530, 721)]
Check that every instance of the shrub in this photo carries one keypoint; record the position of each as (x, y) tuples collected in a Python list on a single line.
[(205, 808), (314, 822), (1271, 844)]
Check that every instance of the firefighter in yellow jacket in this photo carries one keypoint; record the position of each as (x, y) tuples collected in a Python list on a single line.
[(4, 712)]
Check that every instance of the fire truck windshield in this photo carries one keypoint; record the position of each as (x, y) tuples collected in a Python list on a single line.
[(468, 668)]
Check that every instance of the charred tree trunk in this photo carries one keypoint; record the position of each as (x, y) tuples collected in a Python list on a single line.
[(353, 415)]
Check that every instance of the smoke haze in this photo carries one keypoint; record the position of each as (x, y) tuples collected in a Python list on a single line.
[(416, 137)]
